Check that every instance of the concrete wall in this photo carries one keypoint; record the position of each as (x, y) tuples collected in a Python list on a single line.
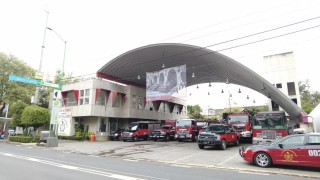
[(281, 69)]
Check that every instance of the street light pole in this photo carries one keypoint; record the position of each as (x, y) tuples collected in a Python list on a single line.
[(41, 57), (62, 71), (64, 56)]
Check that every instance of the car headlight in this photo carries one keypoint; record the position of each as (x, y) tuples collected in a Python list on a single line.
[(130, 134), (116, 134)]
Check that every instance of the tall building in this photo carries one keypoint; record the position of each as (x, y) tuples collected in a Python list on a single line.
[(280, 70)]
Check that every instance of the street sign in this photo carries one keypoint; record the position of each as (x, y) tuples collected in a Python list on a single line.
[(56, 86), (23, 80), (33, 81)]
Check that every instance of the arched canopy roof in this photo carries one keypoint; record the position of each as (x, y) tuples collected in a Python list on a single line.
[(207, 65)]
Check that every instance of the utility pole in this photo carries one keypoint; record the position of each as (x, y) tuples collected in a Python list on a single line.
[(36, 94)]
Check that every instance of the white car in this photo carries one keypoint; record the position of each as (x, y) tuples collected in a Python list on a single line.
[(11, 132)]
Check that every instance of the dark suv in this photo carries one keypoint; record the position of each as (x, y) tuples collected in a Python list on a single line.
[(116, 135), (218, 135)]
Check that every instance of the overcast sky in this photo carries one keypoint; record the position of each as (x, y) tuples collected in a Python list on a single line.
[(98, 30)]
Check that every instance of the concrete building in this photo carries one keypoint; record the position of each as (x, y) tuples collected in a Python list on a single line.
[(280, 70), (99, 105)]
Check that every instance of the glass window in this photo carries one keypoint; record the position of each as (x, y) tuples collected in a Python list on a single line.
[(102, 98), (314, 140), (84, 96), (294, 141), (291, 89)]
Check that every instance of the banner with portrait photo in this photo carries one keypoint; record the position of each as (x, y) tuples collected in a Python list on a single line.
[(166, 84)]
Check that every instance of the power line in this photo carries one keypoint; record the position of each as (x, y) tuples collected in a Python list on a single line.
[(223, 22), (243, 37)]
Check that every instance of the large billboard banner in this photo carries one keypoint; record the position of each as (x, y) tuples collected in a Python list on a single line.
[(166, 84)]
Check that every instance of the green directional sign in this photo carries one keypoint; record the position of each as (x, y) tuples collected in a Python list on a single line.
[(56, 86), (23, 80), (33, 81)]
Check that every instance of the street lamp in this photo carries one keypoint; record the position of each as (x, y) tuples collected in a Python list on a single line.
[(64, 55), (62, 71)]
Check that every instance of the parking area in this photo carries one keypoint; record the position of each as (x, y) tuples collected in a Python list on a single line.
[(185, 154)]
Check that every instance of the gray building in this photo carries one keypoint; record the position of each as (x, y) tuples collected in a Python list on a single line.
[(99, 105)]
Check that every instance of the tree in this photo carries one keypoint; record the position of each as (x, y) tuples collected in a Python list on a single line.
[(309, 100), (15, 112), (253, 110), (35, 116), (12, 92), (194, 111)]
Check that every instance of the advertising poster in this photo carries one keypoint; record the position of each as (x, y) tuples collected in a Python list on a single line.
[(64, 122), (166, 84)]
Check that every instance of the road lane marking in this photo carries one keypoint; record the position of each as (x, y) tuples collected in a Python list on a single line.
[(228, 159), (254, 173), (70, 167)]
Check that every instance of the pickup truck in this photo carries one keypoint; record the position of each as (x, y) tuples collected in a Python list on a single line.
[(218, 135)]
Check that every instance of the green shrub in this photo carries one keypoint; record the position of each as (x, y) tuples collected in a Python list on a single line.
[(24, 139), (78, 133), (76, 138)]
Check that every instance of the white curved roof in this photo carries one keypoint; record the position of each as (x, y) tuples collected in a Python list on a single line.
[(207, 65)]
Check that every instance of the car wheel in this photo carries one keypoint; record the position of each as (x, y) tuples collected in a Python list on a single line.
[(262, 159), (167, 138), (154, 139), (237, 142), (223, 144), (201, 146), (124, 140), (180, 140), (136, 138)]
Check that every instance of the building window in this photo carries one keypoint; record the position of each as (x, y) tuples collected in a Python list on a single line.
[(134, 101), (291, 89), (140, 103), (84, 96), (71, 99), (102, 98), (279, 85), (295, 100), (117, 101)]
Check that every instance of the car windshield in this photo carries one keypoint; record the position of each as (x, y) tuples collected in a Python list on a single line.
[(133, 127), (214, 129), (269, 122), (183, 123), (238, 119), (166, 127)]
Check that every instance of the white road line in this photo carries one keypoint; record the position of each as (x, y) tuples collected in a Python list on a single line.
[(86, 170), (228, 159), (182, 158), (177, 165), (255, 173)]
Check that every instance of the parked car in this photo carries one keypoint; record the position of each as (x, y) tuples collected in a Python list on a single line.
[(115, 135), (296, 149), (218, 135), (11, 132), (166, 132)]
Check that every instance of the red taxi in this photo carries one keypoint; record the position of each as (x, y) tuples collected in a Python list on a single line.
[(297, 149)]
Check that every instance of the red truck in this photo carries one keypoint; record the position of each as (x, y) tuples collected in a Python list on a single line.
[(268, 126), (218, 135), (186, 129), (166, 132), (241, 122), (139, 130)]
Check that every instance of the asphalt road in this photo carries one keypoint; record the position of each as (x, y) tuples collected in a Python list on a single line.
[(29, 163), (142, 160)]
